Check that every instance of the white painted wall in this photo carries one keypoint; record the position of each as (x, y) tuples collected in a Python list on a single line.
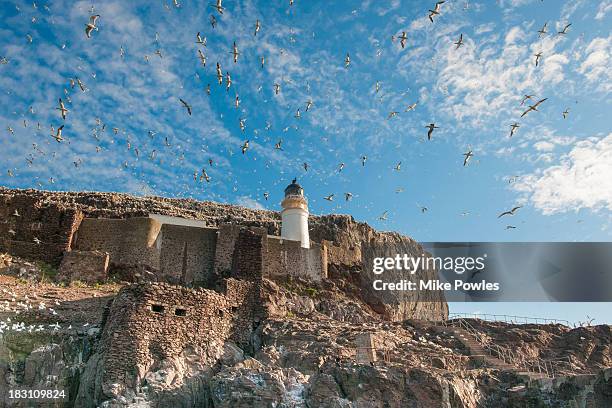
[(295, 225)]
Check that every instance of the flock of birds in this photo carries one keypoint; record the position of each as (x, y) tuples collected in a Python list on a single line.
[(224, 79), (14, 305)]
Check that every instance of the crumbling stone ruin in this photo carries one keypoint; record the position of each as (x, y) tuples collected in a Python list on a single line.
[(202, 304)]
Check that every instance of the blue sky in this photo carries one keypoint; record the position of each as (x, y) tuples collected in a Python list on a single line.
[(557, 169)]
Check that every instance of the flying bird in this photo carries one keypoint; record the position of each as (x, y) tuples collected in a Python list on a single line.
[(329, 197), (542, 31), (435, 11), (257, 27), (459, 42), (564, 31), (348, 196), (308, 105), (513, 128), (89, 27), (218, 6), (245, 147), (533, 107), (467, 156), (411, 107), (347, 60), (200, 40), (58, 134), (511, 212), (525, 98), (186, 105), (403, 39), (537, 58), (431, 128), (62, 109), (383, 216), (235, 52), (202, 58), (565, 113), (219, 74)]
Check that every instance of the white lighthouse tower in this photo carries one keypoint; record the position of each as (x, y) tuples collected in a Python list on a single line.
[(295, 215)]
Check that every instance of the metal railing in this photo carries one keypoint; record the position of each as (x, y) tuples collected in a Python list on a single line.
[(550, 368), (509, 318)]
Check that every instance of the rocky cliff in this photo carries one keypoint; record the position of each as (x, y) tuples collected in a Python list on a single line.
[(333, 343)]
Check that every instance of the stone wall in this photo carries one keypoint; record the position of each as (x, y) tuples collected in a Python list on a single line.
[(288, 258), (131, 242), (153, 325), (187, 254), (39, 230), (84, 266)]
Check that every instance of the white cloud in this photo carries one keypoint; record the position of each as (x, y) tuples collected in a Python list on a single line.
[(596, 66), (580, 181), (604, 7)]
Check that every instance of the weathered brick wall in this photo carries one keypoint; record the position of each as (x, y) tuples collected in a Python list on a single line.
[(131, 242), (224, 252), (152, 322), (187, 254), (47, 223), (84, 266), (288, 258), (249, 255)]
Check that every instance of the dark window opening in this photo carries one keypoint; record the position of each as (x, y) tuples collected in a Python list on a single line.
[(180, 312), (157, 308)]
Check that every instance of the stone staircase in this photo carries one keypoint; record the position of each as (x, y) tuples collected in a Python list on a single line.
[(477, 351), (534, 369)]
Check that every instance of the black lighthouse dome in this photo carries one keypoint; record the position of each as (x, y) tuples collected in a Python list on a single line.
[(294, 189)]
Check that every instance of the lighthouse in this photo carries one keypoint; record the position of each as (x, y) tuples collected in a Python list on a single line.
[(295, 215)]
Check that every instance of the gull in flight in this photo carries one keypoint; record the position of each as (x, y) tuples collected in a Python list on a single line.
[(348, 196), (308, 105), (200, 40), (511, 212), (431, 128), (62, 109), (218, 6), (513, 128), (542, 31), (384, 216), (89, 27), (329, 197), (435, 11), (58, 134), (202, 57), (276, 89), (219, 74), (525, 98), (459, 42), (533, 107), (403, 39), (347, 60), (392, 114), (564, 31), (186, 105), (278, 144), (213, 21), (245, 147), (398, 166), (537, 58), (565, 113), (363, 160), (266, 195), (411, 107), (257, 27), (235, 52), (467, 156)]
